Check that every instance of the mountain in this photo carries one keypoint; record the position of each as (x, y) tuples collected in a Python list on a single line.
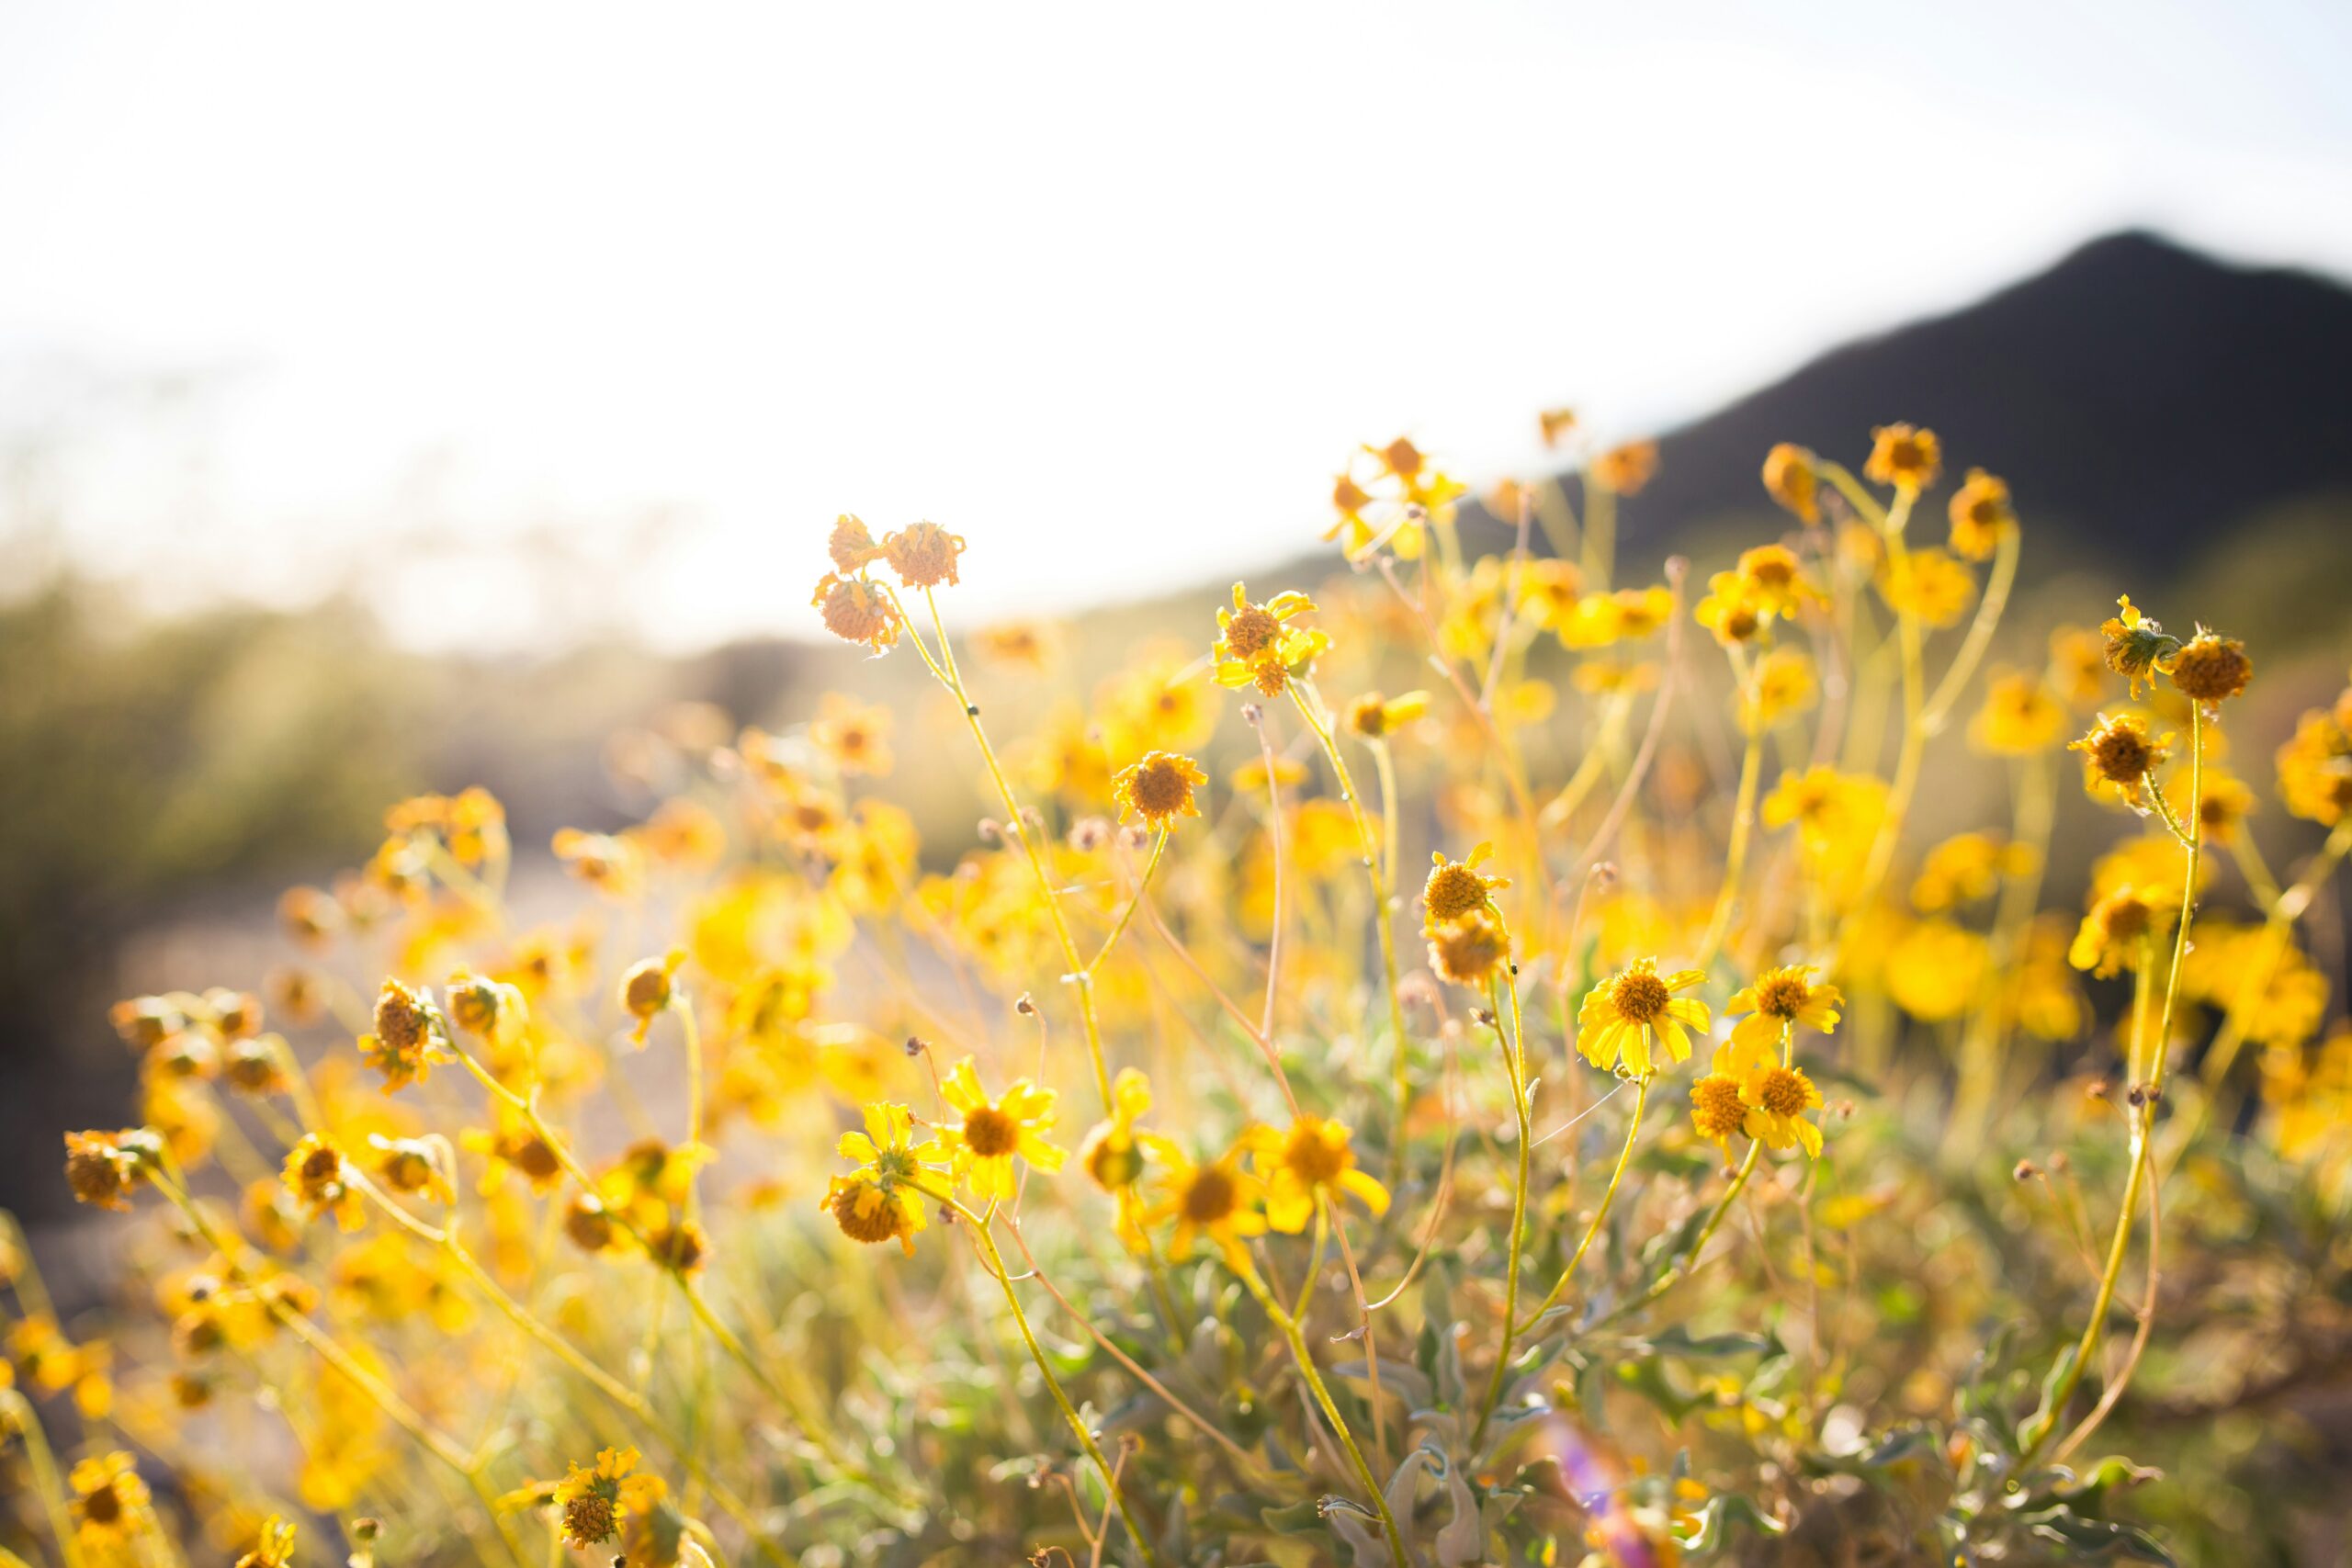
[(2137, 396)]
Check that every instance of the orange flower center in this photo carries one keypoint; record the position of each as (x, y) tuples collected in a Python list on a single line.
[(1314, 1155), (1639, 996), (864, 1212), (1783, 1092), (1454, 891), (1782, 995), (590, 1516), (2122, 754), (1715, 1107), (989, 1132), (1160, 788), (1251, 631), (1210, 1196)]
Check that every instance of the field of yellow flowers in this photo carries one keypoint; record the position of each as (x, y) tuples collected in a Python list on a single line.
[(1542, 1097)]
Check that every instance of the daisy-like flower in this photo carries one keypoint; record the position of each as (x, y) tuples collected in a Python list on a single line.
[(1903, 457), (1627, 468), (2118, 756), (2209, 668), (109, 1498), (1781, 999), (1469, 950), (1455, 889), (102, 1168), (880, 1201), (2112, 934), (1776, 1097), (1716, 1109), (494, 1010), (923, 554), (1625, 1014), (1730, 612), (1313, 1159), (1218, 1200), (851, 544), (412, 1164), (410, 1036), (1159, 789), (316, 1173), (1112, 1153), (994, 1133), (2020, 715), (1981, 514), (1772, 578), (857, 610), (1258, 645), (595, 1503)]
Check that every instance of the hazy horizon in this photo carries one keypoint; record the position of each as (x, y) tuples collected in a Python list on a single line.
[(307, 300)]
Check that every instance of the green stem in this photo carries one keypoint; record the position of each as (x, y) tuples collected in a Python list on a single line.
[(1304, 1358), (1600, 1215), (2144, 1098), (1515, 1064), (994, 1261)]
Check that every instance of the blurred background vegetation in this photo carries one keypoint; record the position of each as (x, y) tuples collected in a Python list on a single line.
[(2167, 422)]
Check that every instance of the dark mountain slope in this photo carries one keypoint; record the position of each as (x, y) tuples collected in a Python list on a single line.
[(2136, 396)]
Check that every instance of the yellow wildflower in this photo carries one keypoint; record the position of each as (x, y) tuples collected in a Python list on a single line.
[(1159, 789), (996, 1131), (593, 1505), (1780, 1001), (1622, 1016), (1310, 1161)]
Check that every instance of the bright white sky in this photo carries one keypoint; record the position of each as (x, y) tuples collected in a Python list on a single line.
[(291, 292)]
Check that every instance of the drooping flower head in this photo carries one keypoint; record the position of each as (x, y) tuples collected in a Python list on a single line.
[(994, 1133), (923, 554), (857, 610), (880, 1201), (324, 1182), (649, 988), (1636, 1009), (1469, 951), (409, 1038), (2136, 648), (2210, 669), (1112, 1152), (851, 544), (102, 1168)]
